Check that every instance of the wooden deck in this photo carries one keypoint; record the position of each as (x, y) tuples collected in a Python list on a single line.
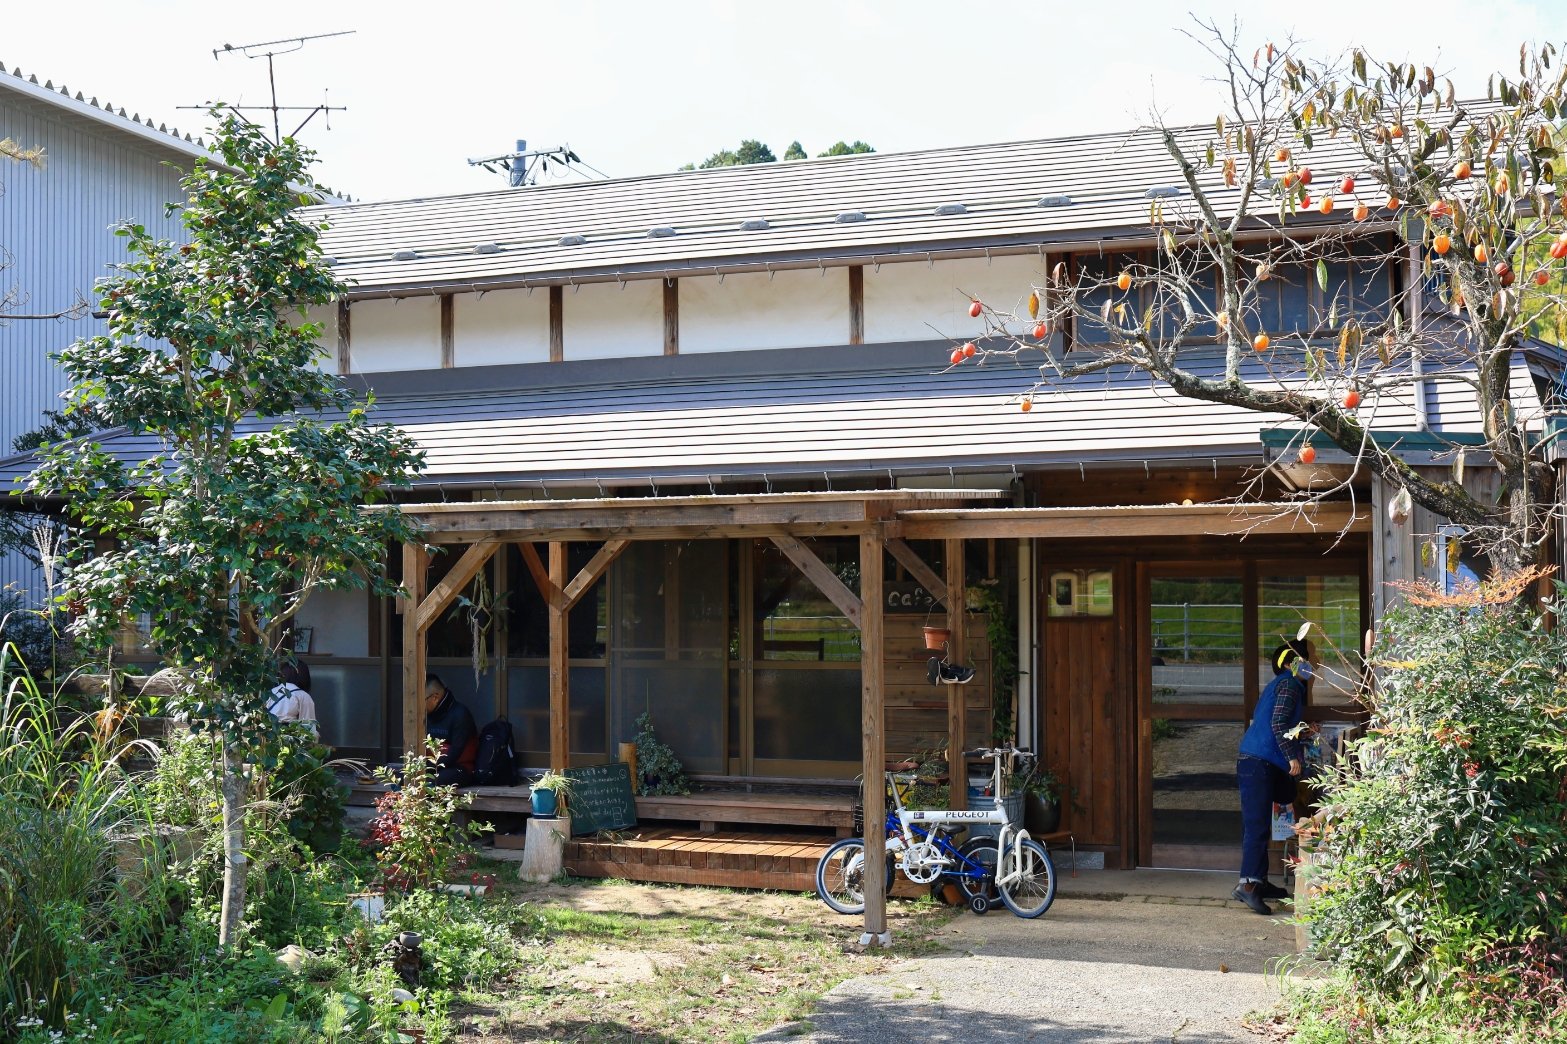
[(710, 809)]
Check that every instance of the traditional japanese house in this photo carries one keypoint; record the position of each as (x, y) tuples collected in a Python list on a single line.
[(695, 451)]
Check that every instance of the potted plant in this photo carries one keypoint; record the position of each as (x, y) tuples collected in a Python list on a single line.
[(547, 792), (1041, 792)]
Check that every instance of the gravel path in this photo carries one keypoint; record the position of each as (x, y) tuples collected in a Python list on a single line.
[(1087, 972)]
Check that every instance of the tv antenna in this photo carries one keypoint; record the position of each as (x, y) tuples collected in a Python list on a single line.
[(270, 49), (523, 166)]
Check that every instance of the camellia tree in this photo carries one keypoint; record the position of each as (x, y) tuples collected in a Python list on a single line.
[(1450, 205), (255, 495)]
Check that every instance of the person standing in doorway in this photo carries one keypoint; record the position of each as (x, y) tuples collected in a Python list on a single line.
[(1269, 764), (451, 725)]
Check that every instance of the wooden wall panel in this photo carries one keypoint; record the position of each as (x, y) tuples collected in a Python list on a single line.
[(916, 711)]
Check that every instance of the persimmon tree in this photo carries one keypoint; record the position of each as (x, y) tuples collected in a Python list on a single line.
[(1453, 202), (253, 497)]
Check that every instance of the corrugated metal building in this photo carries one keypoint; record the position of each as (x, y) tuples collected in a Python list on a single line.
[(103, 166)]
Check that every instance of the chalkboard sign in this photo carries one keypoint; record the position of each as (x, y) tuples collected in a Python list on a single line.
[(601, 798)]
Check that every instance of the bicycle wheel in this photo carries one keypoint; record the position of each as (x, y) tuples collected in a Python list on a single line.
[(981, 850), (840, 876), (1032, 893)]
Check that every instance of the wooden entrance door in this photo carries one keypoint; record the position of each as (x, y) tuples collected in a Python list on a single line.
[(1084, 693)]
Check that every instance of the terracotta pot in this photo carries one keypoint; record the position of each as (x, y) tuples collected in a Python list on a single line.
[(937, 637)]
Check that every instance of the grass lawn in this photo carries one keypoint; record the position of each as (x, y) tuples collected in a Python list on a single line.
[(627, 961)]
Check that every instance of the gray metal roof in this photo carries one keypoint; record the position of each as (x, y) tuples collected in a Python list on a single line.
[(972, 197), (102, 117), (800, 413)]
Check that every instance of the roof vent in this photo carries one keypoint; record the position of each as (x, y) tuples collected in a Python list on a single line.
[(405, 255), (576, 240), (487, 248), (329, 260), (948, 209), (754, 225), (850, 215), (1055, 201), (1162, 192), (662, 232)]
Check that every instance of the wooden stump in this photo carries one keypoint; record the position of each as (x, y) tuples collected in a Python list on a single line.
[(541, 854)]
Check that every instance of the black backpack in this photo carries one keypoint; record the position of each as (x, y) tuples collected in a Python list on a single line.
[(496, 764)]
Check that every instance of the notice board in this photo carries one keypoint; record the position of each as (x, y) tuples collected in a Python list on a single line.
[(601, 798)]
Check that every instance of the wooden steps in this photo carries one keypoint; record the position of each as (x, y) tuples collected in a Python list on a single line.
[(784, 862)]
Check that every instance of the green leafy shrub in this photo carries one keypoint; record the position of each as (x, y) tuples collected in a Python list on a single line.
[(658, 770), (1443, 859), (303, 775), (415, 835)]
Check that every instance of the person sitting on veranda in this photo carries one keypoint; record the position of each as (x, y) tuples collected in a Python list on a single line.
[(291, 700), (451, 725), (1269, 765)]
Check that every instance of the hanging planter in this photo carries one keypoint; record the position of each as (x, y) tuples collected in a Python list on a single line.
[(937, 637)]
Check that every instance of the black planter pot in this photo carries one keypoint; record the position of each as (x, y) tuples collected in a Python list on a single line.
[(1040, 817)]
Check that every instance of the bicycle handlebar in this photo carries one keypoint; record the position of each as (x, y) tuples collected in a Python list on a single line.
[(996, 752)]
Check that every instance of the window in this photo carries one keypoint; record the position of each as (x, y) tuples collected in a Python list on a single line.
[(1198, 641), (1331, 604)]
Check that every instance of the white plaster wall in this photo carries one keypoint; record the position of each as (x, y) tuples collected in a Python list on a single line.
[(608, 321), (326, 315), (794, 309), (397, 334), (341, 620), (503, 326), (904, 301)]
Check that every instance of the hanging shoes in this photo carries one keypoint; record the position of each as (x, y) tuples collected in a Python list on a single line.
[(956, 674), (933, 670)]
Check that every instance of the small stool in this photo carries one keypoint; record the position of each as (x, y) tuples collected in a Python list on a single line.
[(1061, 837)]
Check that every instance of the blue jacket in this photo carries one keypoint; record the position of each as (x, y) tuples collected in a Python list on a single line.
[(1280, 707)]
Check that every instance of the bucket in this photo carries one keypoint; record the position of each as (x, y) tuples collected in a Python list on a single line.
[(936, 637)]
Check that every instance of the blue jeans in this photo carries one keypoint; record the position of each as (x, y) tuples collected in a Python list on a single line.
[(1262, 783)]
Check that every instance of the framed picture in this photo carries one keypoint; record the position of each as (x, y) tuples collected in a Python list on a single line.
[(301, 640)]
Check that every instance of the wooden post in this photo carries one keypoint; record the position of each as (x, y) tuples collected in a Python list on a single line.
[(856, 304), (345, 362), (671, 316), (957, 769), (557, 324), (873, 738), (416, 565), (448, 337), (560, 676)]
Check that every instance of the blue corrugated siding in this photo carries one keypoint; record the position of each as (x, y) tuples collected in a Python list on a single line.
[(55, 224)]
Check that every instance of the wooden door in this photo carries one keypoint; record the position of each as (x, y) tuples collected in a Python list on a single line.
[(1082, 690)]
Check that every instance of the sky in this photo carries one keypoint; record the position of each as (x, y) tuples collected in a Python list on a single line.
[(644, 87)]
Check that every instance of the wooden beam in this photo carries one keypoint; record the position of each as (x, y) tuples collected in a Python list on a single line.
[(416, 563), (541, 576), (560, 676), (873, 733), (957, 770), (916, 565), (448, 339), (345, 361), (534, 517), (825, 579), (671, 316), (557, 324), (591, 572), (465, 569), (1195, 520), (856, 304)]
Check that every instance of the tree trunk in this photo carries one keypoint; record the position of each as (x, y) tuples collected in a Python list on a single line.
[(234, 862)]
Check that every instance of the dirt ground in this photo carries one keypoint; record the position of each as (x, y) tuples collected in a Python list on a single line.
[(663, 963)]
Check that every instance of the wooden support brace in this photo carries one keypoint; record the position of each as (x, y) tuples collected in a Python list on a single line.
[(560, 668), (916, 565), (596, 567), (452, 583), (825, 579), (541, 576), (416, 563), (873, 734)]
